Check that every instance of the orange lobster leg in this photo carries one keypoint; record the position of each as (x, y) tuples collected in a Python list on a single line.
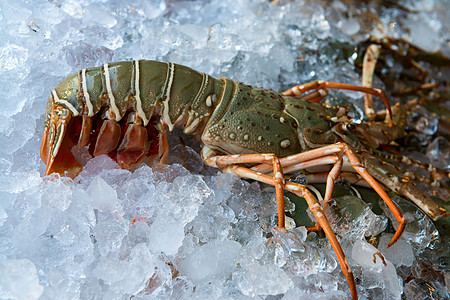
[(350, 177), (317, 85), (321, 156), (229, 163), (318, 212)]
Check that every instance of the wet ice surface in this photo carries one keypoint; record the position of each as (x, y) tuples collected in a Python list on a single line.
[(173, 232)]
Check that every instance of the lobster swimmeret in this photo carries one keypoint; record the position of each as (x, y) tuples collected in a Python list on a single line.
[(123, 109)]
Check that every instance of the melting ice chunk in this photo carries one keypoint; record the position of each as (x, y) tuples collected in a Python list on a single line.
[(299, 257), (352, 218), (420, 230), (3, 215), (258, 279), (377, 271), (211, 260), (419, 288), (104, 197), (166, 235), (19, 280), (438, 152), (400, 254), (127, 275)]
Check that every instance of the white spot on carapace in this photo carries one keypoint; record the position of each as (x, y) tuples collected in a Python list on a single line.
[(260, 138), (282, 120), (112, 100), (87, 98), (285, 143), (218, 138), (64, 102), (246, 137), (208, 101), (138, 93), (232, 136)]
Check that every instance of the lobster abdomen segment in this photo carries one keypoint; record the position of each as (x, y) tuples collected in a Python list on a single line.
[(125, 94), (139, 85)]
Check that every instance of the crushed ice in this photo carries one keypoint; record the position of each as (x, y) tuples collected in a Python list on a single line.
[(174, 232)]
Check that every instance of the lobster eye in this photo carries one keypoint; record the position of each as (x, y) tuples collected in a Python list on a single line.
[(349, 127)]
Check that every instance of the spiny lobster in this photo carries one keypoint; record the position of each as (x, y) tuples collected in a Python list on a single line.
[(123, 109)]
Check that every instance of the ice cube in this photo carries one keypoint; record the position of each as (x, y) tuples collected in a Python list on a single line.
[(299, 257), (3, 215), (262, 280), (166, 235), (423, 121), (73, 8), (97, 165), (377, 271), (424, 289), (104, 197), (420, 230), (352, 218), (211, 260), (109, 232), (400, 254), (438, 151), (350, 26), (19, 279), (129, 274)]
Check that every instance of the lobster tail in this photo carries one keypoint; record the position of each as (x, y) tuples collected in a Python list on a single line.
[(58, 141)]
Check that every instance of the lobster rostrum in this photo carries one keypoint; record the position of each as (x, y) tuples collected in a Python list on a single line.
[(123, 109)]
